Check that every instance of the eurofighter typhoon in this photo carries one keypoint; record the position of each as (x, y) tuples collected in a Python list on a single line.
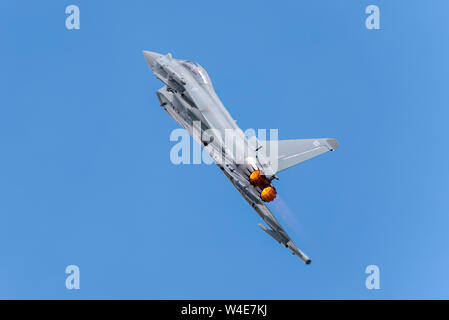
[(251, 165)]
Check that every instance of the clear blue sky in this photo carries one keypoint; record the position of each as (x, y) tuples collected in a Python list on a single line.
[(85, 175)]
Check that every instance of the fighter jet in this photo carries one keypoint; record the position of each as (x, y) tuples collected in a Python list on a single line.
[(251, 165)]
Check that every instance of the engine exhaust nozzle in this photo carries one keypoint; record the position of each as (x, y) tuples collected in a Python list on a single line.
[(268, 194)]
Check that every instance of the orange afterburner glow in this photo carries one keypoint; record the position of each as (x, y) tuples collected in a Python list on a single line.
[(258, 179), (268, 194)]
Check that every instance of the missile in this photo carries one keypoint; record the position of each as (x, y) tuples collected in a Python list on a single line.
[(290, 245), (275, 235)]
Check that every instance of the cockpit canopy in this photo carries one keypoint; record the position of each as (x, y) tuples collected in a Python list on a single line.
[(198, 71)]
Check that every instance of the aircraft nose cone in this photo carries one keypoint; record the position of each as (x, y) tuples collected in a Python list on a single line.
[(151, 57)]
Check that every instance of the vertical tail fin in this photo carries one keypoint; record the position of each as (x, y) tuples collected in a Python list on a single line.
[(293, 152)]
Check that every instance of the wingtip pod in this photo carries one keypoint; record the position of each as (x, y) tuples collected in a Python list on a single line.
[(301, 255)]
